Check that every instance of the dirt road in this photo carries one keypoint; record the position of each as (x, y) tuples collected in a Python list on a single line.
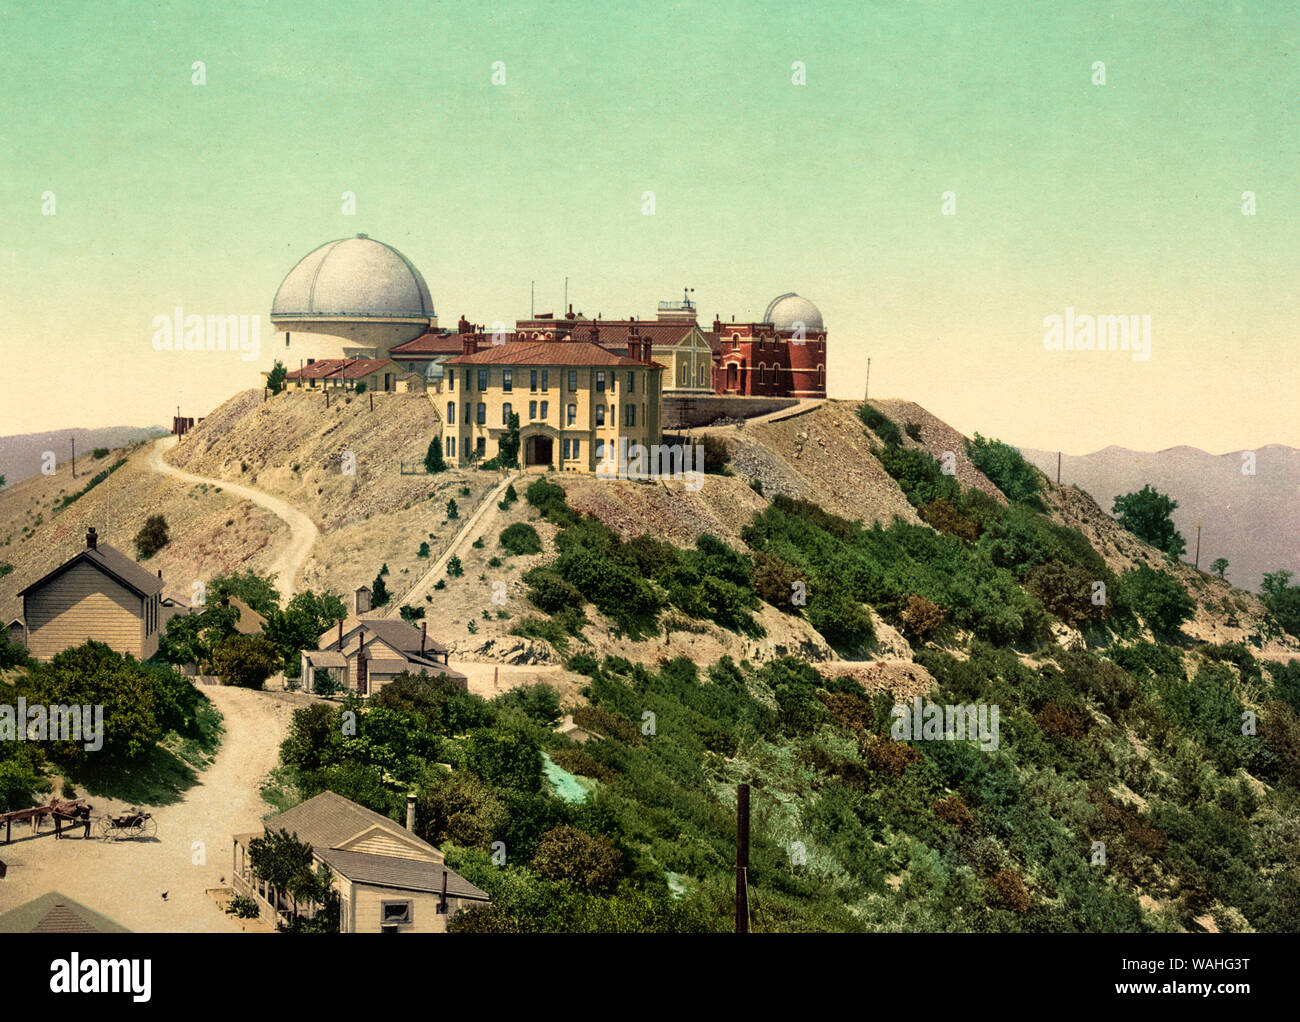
[(302, 530), (125, 880)]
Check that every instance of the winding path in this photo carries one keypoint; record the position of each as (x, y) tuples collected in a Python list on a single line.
[(302, 530)]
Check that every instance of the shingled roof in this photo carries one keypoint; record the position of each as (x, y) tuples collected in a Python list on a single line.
[(57, 913), (329, 820), (113, 563)]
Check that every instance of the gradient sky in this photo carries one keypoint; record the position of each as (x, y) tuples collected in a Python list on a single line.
[(1117, 199)]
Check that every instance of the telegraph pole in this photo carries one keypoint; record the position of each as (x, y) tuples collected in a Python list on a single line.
[(742, 858), (1058, 468), (1197, 562), (74, 457), (866, 394)]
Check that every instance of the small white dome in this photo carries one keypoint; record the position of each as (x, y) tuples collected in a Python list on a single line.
[(354, 278), (787, 311)]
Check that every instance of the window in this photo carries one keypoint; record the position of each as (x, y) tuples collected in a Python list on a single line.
[(451, 380), (469, 378), (505, 414), (570, 415), (600, 382), (451, 447), (482, 379), (681, 376), (546, 375), (629, 415), (600, 415), (545, 405), (480, 415), (451, 413), (395, 912), (631, 383), (507, 380), (576, 444), (532, 379), (532, 409), (481, 448), (573, 379), (600, 450), (566, 448), (466, 413), (467, 448)]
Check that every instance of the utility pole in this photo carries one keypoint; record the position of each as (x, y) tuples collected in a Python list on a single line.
[(74, 457), (742, 858), (532, 299), (1197, 562), (866, 394), (1058, 468)]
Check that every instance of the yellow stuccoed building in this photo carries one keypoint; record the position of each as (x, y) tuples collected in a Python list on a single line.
[(575, 402)]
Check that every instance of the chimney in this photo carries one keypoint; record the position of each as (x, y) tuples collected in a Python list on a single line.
[(633, 343), (340, 643), (91, 538), (410, 813), (160, 574), (647, 351), (424, 632), (467, 344)]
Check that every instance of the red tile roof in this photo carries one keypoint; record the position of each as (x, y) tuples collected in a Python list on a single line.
[(548, 353), (431, 344), (342, 368)]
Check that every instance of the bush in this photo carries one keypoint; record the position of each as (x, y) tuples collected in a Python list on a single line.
[(842, 621), (1007, 470), (716, 455), (1064, 590), (881, 424), (921, 618), (245, 661), (454, 567), (452, 511), (566, 853), (521, 538), (775, 581), (1157, 598)]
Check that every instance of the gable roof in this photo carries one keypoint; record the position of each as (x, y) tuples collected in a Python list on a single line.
[(57, 913), (395, 632), (338, 368), (329, 821), (113, 563)]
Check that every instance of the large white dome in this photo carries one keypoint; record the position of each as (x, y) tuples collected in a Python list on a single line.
[(353, 278), (787, 311)]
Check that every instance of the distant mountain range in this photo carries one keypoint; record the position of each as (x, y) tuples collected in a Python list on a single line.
[(1252, 520), (21, 455)]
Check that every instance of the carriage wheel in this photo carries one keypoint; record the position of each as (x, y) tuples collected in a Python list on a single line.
[(105, 829), (148, 828)]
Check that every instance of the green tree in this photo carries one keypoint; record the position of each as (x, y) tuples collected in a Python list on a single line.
[(1147, 514), (95, 675), (433, 460), (191, 638), (300, 625), (258, 591), (152, 537), (506, 758), (1220, 567), (275, 378), (452, 511), (361, 387), (508, 445), (379, 594), (245, 661), (454, 568)]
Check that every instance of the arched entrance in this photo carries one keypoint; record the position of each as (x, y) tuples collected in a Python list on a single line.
[(539, 450)]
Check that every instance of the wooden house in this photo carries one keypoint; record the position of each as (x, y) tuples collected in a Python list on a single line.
[(388, 879), (365, 653), (100, 594)]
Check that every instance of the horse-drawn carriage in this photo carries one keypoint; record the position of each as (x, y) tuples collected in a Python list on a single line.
[(131, 824)]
